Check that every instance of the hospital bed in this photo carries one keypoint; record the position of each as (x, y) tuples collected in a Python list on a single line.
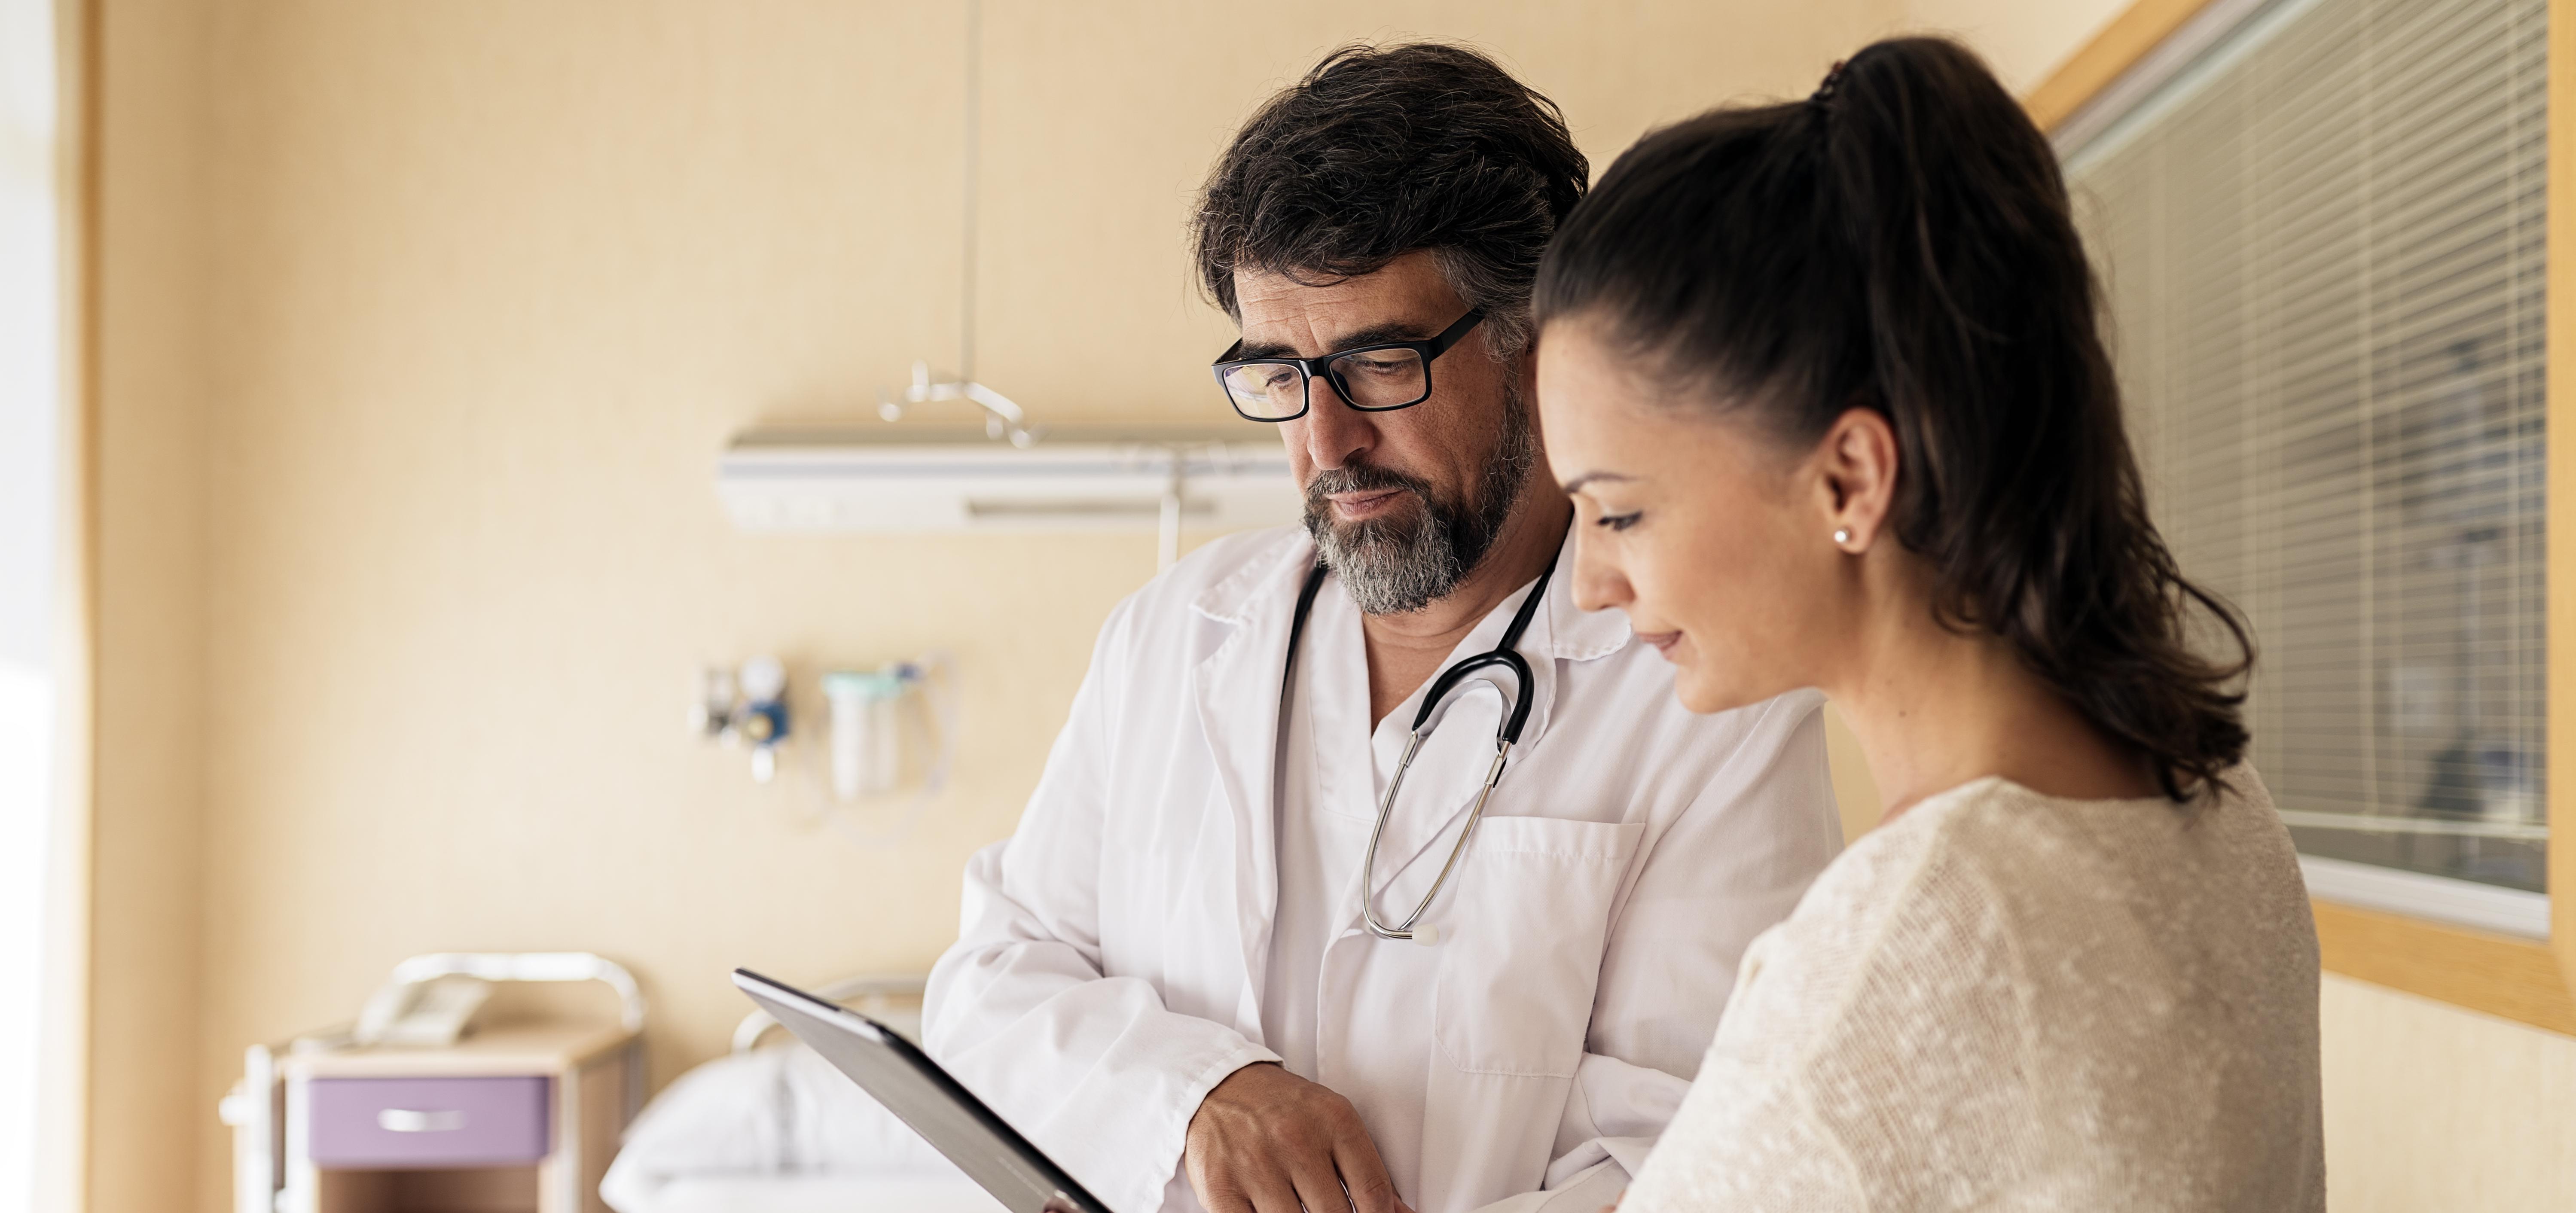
[(771, 1128)]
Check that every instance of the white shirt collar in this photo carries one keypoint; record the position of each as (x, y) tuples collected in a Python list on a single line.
[(1270, 580)]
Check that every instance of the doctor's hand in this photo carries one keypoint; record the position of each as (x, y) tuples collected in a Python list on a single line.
[(1267, 1141)]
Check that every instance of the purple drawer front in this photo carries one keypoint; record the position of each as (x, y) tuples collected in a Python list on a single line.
[(428, 1122)]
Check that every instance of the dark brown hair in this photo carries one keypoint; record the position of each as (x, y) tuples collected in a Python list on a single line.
[(1901, 241), (1386, 150)]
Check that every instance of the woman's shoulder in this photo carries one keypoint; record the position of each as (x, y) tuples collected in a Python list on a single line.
[(1892, 864), (1998, 906), (2046, 862), (1983, 865)]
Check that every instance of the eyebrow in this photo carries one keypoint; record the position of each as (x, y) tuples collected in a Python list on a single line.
[(1376, 334), (1576, 485)]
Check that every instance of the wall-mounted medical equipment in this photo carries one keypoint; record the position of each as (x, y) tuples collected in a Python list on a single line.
[(746, 708), (890, 733), (761, 718), (422, 1105), (1222, 477), (869, 728)]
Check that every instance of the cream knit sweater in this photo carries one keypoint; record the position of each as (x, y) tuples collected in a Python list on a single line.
[(2006, 1001)]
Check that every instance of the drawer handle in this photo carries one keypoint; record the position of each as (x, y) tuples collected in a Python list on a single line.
[(406, 1120)]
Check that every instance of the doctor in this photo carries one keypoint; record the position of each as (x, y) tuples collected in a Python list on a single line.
[(1172, 978)]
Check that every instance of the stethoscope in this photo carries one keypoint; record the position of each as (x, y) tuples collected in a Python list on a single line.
[(1505, 737)]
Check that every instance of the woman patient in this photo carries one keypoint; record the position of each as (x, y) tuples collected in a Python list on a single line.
[(1826, 385)]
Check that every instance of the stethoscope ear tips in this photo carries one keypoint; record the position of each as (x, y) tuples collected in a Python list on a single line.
[(1426, 935)]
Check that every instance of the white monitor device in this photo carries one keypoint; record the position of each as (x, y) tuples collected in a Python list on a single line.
[(924, 1096)]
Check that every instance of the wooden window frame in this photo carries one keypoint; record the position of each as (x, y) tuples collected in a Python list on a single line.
[(2517, 979)]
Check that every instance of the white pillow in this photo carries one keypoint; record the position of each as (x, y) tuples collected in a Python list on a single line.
[(775, 1111)]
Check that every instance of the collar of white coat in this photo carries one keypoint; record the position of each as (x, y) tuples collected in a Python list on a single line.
[(1270, 578)]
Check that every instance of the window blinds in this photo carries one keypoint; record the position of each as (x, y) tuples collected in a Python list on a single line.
[(2321, 252)]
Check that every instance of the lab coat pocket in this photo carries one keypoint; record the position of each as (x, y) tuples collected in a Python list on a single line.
[(1521, 944)]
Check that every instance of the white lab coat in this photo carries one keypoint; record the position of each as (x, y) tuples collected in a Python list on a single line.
[(1111, 955)]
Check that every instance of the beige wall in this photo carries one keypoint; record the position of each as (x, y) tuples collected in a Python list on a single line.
[(2024, 40), (2431, 1109), (425, 323), (146, 834)]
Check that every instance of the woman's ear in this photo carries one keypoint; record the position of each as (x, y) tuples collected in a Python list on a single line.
[(1856, 478)]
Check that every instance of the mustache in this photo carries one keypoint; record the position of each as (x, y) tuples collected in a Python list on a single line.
[(1362, 478)]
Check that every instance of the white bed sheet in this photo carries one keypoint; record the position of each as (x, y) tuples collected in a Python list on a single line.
[(818, 1194)]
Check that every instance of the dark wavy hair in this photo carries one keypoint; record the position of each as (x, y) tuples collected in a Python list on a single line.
[(1901, 241), (1386, 150)]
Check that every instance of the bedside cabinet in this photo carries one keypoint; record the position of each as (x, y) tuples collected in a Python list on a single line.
[(515, 1118)]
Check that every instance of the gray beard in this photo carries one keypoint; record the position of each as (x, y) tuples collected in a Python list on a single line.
[(1397, 565)]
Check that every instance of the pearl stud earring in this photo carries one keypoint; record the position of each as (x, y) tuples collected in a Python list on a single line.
[(1842, 535)]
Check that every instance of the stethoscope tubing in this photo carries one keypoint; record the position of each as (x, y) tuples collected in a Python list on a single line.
[(1506, 735)]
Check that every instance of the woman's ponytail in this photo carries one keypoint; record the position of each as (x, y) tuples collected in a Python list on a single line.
[(1902, 240)]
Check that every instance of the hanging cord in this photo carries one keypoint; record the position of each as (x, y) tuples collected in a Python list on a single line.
[(1003, 419), (973, 163)]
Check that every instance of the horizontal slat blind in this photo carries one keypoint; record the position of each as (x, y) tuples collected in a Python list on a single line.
[(2322, 258)]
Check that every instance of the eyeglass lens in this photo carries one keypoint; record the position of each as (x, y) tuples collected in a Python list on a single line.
[(1369, 379)]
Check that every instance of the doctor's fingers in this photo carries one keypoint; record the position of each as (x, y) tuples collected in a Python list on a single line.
[(1318, 1188), (1232, 1189), (1274, 1189), (1363, 1175)]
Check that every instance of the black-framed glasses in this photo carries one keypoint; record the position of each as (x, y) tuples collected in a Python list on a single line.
[(1373, 378)]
